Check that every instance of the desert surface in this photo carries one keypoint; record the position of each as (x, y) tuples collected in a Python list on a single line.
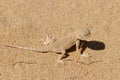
[(27, 22)]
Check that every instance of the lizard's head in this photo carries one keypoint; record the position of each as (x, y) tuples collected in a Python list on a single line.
[(82, 33)]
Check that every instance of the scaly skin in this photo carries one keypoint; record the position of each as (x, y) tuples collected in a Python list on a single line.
[(62, 44)]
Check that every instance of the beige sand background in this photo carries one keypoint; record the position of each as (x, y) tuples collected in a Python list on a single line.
[(26, 22)]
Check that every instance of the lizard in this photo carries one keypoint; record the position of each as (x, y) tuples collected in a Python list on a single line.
[(62, 44)]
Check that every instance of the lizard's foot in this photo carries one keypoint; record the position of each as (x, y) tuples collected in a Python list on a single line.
[(85, 55), (60, 62), (49, 39)]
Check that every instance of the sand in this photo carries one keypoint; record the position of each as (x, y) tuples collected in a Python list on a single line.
[(26, 22)]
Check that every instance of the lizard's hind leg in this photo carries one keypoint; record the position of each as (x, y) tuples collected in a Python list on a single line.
[(49, 39)]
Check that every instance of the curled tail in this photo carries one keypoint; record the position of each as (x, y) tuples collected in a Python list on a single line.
[(42, 49)]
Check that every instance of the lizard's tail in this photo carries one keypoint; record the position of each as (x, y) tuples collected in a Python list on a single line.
[(42, 49)]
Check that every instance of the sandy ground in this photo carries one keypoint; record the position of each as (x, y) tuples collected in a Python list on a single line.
[(26, 22)]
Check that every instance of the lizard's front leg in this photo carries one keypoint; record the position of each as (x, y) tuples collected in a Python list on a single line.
[(61, 56), (77, 46)]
